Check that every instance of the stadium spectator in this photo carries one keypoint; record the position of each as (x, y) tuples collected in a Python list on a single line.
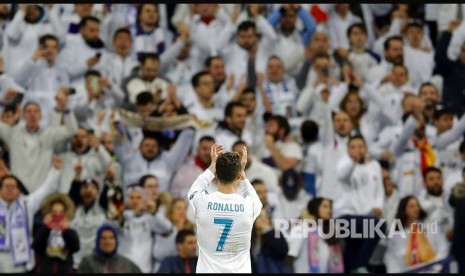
[(186, 260)]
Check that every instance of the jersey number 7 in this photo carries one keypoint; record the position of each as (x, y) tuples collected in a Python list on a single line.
[(227, 227)]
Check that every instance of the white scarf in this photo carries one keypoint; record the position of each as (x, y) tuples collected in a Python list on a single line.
[(17, 240)]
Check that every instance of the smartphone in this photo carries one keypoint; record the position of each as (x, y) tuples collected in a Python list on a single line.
[(94, 84), (71, 91), (55, 223), (16, 100), (325, 71)]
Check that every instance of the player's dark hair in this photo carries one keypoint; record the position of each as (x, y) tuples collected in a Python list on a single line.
[(228, 165)]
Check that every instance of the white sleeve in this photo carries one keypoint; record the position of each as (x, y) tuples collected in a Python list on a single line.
[(50, 185), (378, 201), (456, 42), (444, 139), (160, 224), (265, 28), (407, 131), (305, 101), (337, 95), (295, 241), (200, 184), (250, 192), (345, 167)]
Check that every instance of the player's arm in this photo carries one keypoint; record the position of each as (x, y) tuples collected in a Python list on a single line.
[(204, 179), (250, 191)]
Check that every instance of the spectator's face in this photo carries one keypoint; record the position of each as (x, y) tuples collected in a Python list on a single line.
[(149, 14), (353, 106), (206, 87), (275, 70), (203, 152), (444, 123), (249, 101), (58, 209), (342, 124), (342, 8), (216, 68), (179, 210), (107, 142), (83, 10), (9, 191), (188, 249), (319, 43), (135, 202), (357, 38), (122, 44), (91, 31), (412, 210), (88, 194), (32, 116), (408, 103), (107, 242), (151, 188), (395, 52), (32, 13), (324, 210), (237, 119), (272, 128), (321, 65), (145, 110), (288, 21), (387, 183), (81, 139), (261, 192), (51, 49), (414, 36), (357, 147), (4, 11), (247, 39), (429, 94), (207, 10), (149, 148), (433, 183), (149, 69), (399, 76)]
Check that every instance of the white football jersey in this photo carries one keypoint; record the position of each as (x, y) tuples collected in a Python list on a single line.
[(224, 225)]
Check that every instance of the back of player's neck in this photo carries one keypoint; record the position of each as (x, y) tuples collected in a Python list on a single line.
[(229, 188)]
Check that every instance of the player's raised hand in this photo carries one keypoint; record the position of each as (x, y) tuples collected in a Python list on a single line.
[(243, 156), (215, 151)]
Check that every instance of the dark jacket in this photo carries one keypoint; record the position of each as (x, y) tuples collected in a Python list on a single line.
[(457, 200), (95, 263), (453, 73), (273, 251), (48, 265), (176, 264)]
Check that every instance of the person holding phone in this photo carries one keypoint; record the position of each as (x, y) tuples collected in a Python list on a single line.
[(54, 241), (41, 76)]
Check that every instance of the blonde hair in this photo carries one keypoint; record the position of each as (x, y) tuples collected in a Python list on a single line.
[(63, 199)]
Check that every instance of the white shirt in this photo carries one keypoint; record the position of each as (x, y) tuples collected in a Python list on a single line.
[(337, 29), (420, 65), (224, 226), (259, 170), (136, 237), (362, 185)]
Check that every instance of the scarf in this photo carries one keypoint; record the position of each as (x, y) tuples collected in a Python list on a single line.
[(418, 249), (199, 163), (18, 242), (320, 15), (207, 19), (335, 264), (158, 123), (428, 157)]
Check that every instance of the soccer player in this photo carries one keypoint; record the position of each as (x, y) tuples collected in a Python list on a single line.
[(224, 218)]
